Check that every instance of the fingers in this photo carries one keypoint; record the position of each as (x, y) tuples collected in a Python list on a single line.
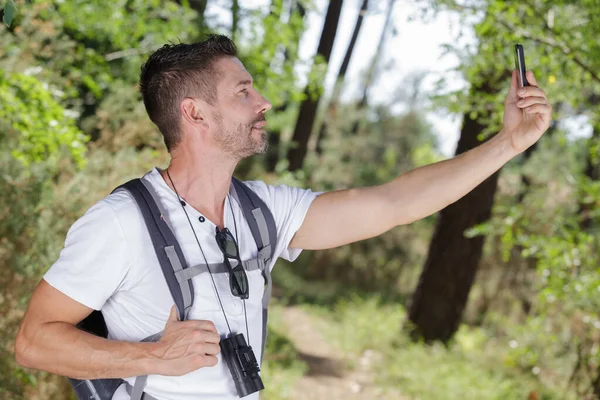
[(173, 317), (529, 101), (208, 361), (544, 109), (211, 337), (531, 78), (210, 349), (201, 324), (529, 91)]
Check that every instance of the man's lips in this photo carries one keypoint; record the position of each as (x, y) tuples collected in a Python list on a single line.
[(260, 125)]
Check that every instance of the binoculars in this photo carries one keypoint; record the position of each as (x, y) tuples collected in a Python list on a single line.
[(242, 365)]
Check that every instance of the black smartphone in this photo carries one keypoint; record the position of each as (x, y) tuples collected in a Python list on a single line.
[(520, 65)]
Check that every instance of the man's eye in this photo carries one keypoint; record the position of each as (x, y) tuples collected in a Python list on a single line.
[(245, 91)]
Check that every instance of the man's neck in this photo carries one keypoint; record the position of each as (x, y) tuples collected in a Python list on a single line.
[(202, 180)]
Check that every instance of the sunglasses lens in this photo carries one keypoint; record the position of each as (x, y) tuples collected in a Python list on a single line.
[(227, 243), (239, 283), (229, 247)]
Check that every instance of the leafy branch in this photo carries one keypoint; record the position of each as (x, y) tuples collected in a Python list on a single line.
[(10, 9)]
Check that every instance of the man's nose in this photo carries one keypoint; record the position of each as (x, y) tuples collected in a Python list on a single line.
[(264, 105)]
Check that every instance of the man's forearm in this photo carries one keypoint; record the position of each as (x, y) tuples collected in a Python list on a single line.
[(60, 348), (424, 191)]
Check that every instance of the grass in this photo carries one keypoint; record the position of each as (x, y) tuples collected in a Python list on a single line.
[(473, 366), (281, 366)]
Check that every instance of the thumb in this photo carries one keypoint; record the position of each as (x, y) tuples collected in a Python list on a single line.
[(173, 317), (512, 92)]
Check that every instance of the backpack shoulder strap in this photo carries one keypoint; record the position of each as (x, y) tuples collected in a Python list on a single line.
[(259, 218), (262, 224), (167, 248)]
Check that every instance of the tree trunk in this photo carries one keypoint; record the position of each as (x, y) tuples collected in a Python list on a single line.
[(235, 19), (308, 108), (272, 157), (332, 109), (453, 259), (373, 67), (198, 5), (592, 169)]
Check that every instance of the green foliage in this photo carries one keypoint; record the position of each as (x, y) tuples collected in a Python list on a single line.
[(43, 129), (37, 139), (554, 230)]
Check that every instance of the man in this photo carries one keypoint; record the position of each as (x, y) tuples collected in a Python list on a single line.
[(211, 116)]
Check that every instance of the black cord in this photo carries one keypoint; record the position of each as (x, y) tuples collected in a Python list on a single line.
[(202, 251)]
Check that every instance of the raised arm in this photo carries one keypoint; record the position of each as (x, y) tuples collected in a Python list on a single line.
[(48, 340), (346, 216)]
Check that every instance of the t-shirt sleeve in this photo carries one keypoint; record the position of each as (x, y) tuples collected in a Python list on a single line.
[(289, 206), (94, 262)]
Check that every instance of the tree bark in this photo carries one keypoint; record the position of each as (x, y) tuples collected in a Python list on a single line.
[(453, 259), (308, 108), (332, 109)]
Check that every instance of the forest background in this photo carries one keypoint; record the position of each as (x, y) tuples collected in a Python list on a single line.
[(495, 297)]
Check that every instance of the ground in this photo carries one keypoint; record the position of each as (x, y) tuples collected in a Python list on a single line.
[(329, 375)]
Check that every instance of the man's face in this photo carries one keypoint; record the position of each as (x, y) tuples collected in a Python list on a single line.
[(239, 111)]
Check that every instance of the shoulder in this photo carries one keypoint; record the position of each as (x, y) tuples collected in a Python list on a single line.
[(281, 197)]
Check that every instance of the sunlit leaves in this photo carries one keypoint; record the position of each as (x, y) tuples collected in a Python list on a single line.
[(44, 132)]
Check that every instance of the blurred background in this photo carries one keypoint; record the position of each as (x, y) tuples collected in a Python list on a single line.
[(495, 297)]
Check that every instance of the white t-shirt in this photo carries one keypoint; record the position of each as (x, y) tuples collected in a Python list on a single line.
[(109, 264)]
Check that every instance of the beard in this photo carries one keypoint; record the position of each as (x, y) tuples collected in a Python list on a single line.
[(239, 140)]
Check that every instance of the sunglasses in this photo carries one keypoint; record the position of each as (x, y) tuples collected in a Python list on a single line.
[(238, 281)]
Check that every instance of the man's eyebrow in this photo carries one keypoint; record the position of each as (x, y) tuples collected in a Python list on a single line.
[(244, 82)]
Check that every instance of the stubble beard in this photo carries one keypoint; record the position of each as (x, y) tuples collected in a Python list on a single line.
[(239, 141)]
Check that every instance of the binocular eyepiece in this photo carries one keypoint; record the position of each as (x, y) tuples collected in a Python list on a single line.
[(242, 364)]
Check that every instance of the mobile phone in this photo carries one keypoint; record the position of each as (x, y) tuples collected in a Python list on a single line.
[(520, 65)]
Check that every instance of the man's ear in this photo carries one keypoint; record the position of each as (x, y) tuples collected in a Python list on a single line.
[(192, 112)]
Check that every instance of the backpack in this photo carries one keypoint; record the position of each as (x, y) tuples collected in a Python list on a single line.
[(178, 275)]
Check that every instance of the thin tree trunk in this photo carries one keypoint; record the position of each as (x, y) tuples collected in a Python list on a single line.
[(235, 18), (362, 104), (453, 259), (308, 108), (332, 109), (200, 7), (273, 154), (592, 169)]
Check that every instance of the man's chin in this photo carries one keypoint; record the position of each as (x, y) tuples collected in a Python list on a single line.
[(261, 143)]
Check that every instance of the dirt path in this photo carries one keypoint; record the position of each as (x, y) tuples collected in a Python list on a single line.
[(328, 377)]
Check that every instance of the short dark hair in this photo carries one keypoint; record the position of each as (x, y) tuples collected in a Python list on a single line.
[(176, 71)]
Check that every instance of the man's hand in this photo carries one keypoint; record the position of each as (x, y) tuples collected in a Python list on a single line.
[(186, 346), (527, 113)]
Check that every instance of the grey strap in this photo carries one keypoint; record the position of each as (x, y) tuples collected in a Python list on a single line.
[(262, 226), (218, 268), (185, 288), (154, 338), (157, 201), (138, 387), (265, 254), (137, 391), (93, 393), (131, 391)]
